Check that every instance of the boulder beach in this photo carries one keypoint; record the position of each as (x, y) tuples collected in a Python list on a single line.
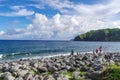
[(79, 66)]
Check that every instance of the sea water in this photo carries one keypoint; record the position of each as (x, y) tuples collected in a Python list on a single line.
[(24, 49)]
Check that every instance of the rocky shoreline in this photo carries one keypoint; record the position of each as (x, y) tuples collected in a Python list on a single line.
[(70, 67)]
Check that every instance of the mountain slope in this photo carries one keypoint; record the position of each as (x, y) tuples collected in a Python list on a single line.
[(100, 35)]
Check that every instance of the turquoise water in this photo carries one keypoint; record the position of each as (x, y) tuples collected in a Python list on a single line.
[(20, 49)]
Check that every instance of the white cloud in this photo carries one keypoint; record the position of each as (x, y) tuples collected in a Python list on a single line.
[(73, 20), (18, 11), (2, 33)]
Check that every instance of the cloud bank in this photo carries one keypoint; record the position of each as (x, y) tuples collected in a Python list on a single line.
[(72, 19)]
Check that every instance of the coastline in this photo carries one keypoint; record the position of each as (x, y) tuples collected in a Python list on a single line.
[(61, 67), (32, 56)]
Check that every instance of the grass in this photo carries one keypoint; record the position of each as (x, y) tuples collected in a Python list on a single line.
[(50, 73), (34, 71), (81, 72), (1, 71), (1, 78), (69, 73), (113, 73), (117, 63)]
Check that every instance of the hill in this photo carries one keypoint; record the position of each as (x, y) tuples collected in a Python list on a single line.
[(100, 35)]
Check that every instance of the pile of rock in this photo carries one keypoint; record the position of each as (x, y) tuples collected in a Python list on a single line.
[(56, 68)]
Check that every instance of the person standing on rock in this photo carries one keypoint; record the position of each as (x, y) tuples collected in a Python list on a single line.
[(72, 52), (100, 49), (97, 51), (94, 53)]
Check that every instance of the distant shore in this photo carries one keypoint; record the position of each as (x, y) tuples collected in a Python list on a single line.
[(65, 67)]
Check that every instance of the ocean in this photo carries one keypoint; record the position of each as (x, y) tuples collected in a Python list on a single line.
[(24, 49)]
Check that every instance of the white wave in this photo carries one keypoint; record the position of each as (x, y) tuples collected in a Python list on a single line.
[(49, 55), (15, 53), (1, 55), (45, 56)]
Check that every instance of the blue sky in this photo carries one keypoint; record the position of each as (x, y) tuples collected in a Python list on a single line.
[(56, 19)]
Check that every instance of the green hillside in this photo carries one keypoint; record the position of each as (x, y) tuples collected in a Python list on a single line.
[(100, 35)]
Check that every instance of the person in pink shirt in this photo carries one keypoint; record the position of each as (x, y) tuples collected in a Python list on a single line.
[(100, 49)]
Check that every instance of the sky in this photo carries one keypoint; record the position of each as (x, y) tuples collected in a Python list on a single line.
[(55, 19)]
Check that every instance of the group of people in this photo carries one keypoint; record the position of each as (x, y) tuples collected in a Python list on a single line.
[(98, 51)]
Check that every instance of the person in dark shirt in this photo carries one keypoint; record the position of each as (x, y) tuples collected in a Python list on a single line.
[(72, 52), (96, 51), (100, 49)]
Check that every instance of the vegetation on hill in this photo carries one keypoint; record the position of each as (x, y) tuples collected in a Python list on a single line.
[(100, 35)]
